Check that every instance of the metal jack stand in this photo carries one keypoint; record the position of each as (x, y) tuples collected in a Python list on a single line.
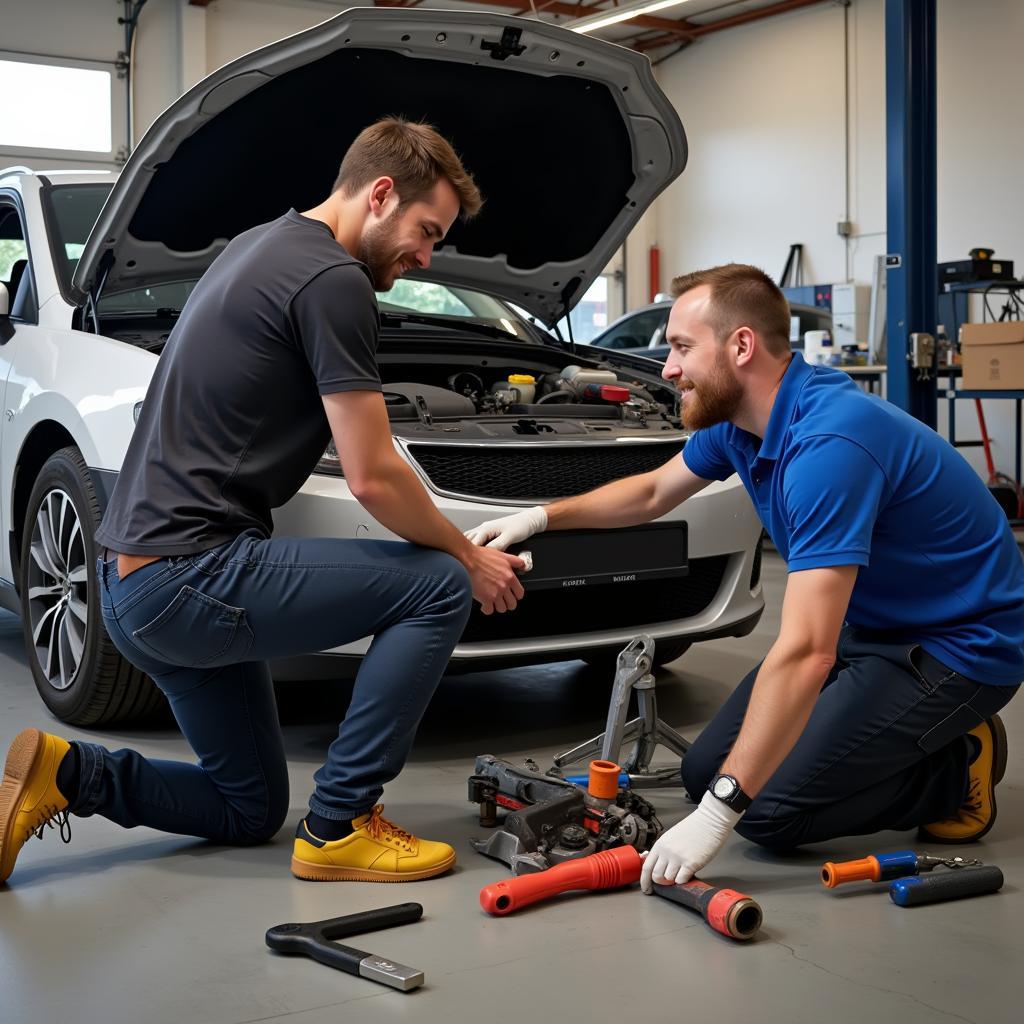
[(633, 672)]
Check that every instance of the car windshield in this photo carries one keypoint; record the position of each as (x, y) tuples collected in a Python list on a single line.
[(74, 210)]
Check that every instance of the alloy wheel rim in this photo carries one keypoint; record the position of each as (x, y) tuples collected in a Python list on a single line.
[(58, 589)]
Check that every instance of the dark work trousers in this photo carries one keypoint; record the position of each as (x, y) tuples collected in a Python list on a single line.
[(884, 747), (203, 628)]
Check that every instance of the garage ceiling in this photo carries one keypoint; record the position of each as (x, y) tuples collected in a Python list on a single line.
[(668, 30)]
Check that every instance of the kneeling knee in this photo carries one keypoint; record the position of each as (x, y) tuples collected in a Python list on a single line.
[(771, 833), (455, 581), (255, 826), (697, 774)]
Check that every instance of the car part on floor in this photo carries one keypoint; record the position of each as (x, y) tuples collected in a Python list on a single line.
[(317, 940), (633, 672), (730, 913), (552, 821), (883, 867), (912, 892)]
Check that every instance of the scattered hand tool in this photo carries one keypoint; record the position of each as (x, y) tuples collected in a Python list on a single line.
[(882, 867), (912, 892), (315, 940), (729, 912)]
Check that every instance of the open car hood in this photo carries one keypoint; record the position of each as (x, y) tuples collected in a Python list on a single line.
[(569, 138)]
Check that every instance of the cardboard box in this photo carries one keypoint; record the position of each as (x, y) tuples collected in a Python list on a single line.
[(993, 356)]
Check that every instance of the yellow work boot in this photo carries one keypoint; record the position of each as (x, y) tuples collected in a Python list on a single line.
[(376, 851), (977, 814), (29, 797)]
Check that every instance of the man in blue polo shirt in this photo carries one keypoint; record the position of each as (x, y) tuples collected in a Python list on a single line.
[(903, 619)]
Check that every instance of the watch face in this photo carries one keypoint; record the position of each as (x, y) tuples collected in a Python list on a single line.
[(724, 787)]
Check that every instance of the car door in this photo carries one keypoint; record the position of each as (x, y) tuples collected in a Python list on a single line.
[(22, 315)]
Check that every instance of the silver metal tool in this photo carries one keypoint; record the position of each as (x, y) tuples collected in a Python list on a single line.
[(316, 940), (633, 672)]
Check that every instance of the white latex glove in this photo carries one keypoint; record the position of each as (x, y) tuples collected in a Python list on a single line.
[(501, 533), (685, 848)]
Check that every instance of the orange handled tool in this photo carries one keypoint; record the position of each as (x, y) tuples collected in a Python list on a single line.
[(729, 912), (609, 869), (867, 869), (883, 867)]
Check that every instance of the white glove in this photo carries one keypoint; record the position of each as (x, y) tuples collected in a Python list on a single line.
[(502, 533), (685, 848)]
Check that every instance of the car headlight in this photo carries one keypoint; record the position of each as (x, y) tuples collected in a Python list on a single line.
[(329, 463)]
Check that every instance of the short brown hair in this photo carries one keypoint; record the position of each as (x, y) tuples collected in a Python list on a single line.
[(742, 296), (411, 153)]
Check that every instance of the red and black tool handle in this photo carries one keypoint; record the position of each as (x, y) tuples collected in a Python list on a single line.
[(727, 911)]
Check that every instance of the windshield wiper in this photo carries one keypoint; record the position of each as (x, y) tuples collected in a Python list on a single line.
[(390, 319)]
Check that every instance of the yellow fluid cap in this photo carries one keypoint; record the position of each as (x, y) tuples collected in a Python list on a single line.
[(521, 378)]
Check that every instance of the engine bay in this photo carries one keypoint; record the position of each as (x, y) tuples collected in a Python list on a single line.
[(493, 402)]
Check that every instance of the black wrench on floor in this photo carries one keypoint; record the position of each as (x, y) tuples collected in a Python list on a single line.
[(316, 940)]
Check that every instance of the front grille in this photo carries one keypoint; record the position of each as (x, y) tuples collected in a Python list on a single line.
[(525, 474), (605, 606)]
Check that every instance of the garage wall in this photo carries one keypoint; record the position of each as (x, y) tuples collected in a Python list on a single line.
[(763, 109)]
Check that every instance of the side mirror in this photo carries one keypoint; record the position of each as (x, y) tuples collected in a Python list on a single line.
[(5, 300)]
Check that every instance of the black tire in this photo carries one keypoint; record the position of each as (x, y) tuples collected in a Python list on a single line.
[(79, 673), (605, 659)]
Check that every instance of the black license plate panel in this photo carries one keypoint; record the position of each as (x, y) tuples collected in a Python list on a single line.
[(579, 558)]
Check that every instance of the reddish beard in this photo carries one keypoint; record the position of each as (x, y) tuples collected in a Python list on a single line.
[(715, 399)]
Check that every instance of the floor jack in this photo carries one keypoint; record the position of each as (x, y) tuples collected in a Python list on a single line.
[(555, 818), (633, 673)]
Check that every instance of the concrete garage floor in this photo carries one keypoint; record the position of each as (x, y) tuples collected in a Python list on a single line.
[(135, 926)]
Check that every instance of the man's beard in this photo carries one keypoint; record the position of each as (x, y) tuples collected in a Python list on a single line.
[(715, 400), (380, 253)]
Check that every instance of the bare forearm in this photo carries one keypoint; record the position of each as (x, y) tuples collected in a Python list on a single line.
[(625, 502), (780, 705), (397, 500)]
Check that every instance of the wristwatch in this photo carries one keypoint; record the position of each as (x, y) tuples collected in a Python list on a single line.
[(727, 789)]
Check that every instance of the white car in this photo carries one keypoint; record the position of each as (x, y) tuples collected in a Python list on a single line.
[(94, 269)]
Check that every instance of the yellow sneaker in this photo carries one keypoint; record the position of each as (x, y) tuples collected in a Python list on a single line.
[(376, 851), (977, 814), (29, 798)]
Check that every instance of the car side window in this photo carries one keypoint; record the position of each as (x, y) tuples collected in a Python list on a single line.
[(634, 332), (14, 265)]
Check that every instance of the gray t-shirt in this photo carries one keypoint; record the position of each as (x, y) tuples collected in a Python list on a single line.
[(233, 424)]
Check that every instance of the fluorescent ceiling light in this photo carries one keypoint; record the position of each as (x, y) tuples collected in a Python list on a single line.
[(613, 15)]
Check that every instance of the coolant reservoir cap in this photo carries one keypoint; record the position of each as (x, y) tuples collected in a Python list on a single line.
[(612, 393), (521, 378)]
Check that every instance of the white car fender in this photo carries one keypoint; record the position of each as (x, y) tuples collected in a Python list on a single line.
[(86, 383)]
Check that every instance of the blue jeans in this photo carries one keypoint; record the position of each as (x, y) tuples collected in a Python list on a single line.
[(203, 628), (884, 747)]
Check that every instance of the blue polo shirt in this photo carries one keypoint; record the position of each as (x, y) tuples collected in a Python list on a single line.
[(844, 478)]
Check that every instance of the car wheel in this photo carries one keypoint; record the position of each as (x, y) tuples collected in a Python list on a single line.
[(77, 670)]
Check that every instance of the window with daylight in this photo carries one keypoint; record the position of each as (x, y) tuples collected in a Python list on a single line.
[(55, 107)]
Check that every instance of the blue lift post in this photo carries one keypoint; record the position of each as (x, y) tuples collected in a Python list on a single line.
[(911, 210)]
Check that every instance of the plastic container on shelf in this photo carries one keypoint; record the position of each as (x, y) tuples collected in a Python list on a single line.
[(818, 348)]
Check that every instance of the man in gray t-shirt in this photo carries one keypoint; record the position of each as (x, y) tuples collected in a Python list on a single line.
[(275, 354)]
